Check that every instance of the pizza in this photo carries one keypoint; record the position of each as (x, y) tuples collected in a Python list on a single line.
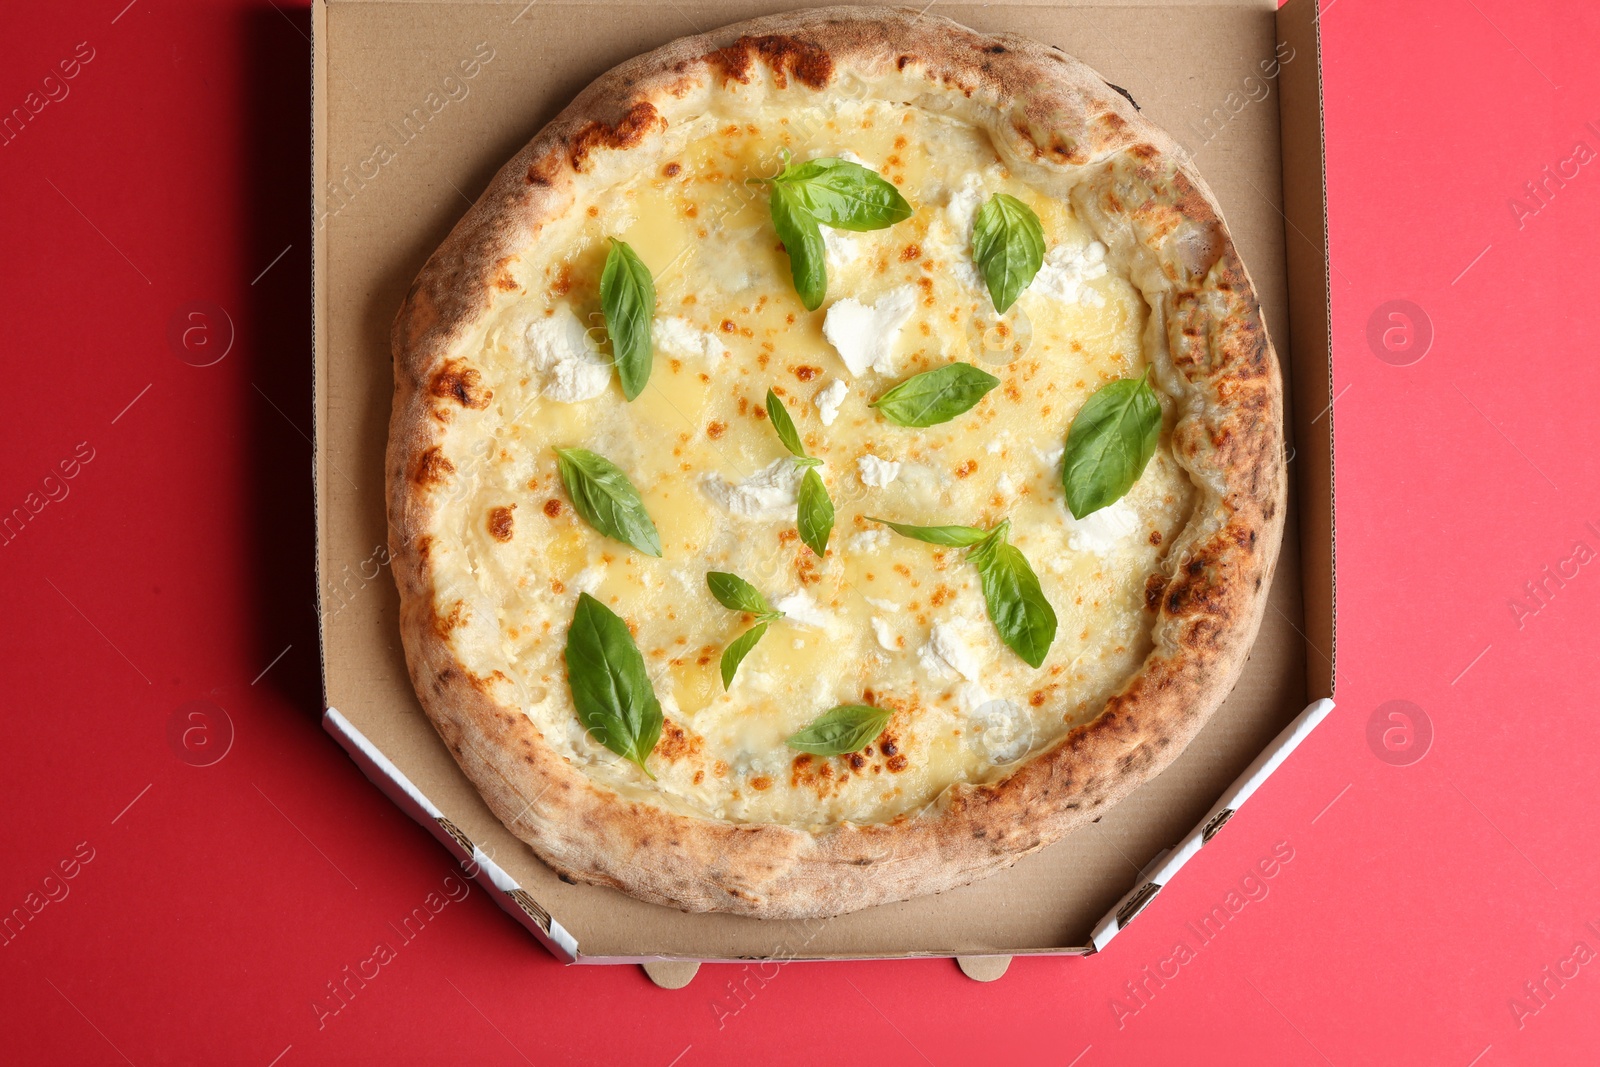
[(837, 457)]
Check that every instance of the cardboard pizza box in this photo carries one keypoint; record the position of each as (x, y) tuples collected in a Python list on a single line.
[(416, 105)]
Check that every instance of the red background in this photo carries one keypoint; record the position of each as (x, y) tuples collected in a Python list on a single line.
[(1421, 896)]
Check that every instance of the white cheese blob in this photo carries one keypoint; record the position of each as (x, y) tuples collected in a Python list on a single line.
[(1103, 532), (563, 353), (589, 579), (680, 337), (864, 334), (952, 648), (885, 635), (799, 607), (869, 541), (839, 247), (766, 496), (829, 399), (877, 473), (1067, 272)]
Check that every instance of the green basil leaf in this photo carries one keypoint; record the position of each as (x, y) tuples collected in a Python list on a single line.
[(842, 730), (845, 195), (736, 594), (1008, 246), (802, 239), (935, 396), (605, 498), (815, 520), (610, 688), (1109, 443), (784, 424), (735, 653), (628, 298), (959, 536), (1017, 606)]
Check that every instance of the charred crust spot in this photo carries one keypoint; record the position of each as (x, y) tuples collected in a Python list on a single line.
[(638, 122), (805, 373), (903, 62), (500, 523), (888, 748), (997, 50), (458, 381), (1120, 91), (896, 764), (786, 57), (966, 468), (911, 253), (552, 507), (715, 429), (1155, 537), (432, 467), (1154, 586), (672, 170)]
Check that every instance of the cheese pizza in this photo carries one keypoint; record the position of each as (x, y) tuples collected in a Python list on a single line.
[(840, 455)]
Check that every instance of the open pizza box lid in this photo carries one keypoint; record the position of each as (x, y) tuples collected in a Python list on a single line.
[(415, 106)]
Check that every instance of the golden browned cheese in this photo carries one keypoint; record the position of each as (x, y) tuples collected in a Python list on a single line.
[(882, 619)]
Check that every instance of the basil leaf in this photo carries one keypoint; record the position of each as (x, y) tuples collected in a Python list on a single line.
[(628, 298), (842, 730), (605, 498), (959, 536), (736, 594), (735, 653), (845, 195), (1017, 606), (784, 424), (610, 688), (935, 396), (1008, 246), (815, 520), (1109, 443), (802, 239)]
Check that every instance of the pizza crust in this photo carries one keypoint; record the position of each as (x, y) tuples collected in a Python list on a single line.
[(1064, 129)]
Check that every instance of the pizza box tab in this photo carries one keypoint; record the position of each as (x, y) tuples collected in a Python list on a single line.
[(415, 106)]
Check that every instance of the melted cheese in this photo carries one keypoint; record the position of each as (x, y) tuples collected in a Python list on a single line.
[(882, 619)]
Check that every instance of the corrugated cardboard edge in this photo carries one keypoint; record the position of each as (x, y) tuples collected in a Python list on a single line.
[(1312, 407), (502, 888), (1310, 348), (1161, 870)]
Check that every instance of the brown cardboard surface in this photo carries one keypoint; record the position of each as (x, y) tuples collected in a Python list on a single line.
[(380, 214)]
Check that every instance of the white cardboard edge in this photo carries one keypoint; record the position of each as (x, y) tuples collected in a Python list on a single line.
[(382, 772), (1161, 870)]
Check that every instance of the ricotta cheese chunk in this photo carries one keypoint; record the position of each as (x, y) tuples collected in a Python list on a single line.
[(839, 247), (800, 607), (864, 335), (1103, 532), (564, 355), (1067, 271), (829, 400), (953, 648), (875, 472), (768, 495), (680, 337), (885, 634)]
